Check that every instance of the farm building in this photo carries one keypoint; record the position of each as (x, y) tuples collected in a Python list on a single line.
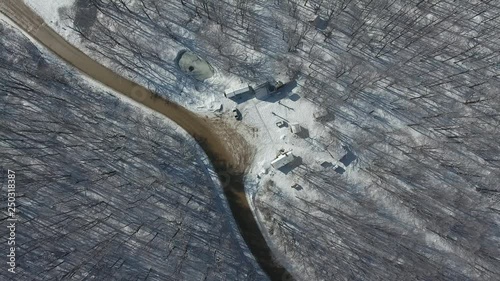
[(282, 160), (261, 91), (235, 93)]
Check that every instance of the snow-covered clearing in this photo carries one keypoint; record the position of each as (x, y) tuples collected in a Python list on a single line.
[(408, 88), (107, 183), (50, 10), (260, 116)]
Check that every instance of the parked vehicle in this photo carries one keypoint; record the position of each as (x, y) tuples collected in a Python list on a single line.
[(237, 114), (281, 124)]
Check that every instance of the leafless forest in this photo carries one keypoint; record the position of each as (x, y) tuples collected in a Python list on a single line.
[(105, 191), (411, 86)]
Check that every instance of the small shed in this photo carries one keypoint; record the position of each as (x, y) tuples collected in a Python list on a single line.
[(295, 128), (326, 164), (234, 93), (282, 160), (262, 91)]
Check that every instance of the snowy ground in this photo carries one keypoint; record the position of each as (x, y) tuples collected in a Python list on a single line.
[(261, 116), (370, 214), (177, 224), (258, 124)]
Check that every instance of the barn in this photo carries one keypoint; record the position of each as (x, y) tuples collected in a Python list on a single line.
[(282, 160)]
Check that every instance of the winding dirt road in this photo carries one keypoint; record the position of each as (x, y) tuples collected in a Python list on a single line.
[(227, 159)]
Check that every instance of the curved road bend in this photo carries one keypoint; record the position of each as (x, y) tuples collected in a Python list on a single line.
[(201, 129)]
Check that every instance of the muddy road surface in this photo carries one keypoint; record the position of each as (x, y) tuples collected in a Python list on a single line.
[(230, 158)]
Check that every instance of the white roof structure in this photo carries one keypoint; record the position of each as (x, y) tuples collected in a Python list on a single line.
[(282, 160), (295, 127), (231, 94)]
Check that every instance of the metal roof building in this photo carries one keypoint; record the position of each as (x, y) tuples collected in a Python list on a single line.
[(282, 160), (232, 94)]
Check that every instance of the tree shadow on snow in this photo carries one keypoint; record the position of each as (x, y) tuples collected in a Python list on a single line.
[(348, 158)]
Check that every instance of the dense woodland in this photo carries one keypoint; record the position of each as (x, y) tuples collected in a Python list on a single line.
[(105, 190), (409, 85)]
